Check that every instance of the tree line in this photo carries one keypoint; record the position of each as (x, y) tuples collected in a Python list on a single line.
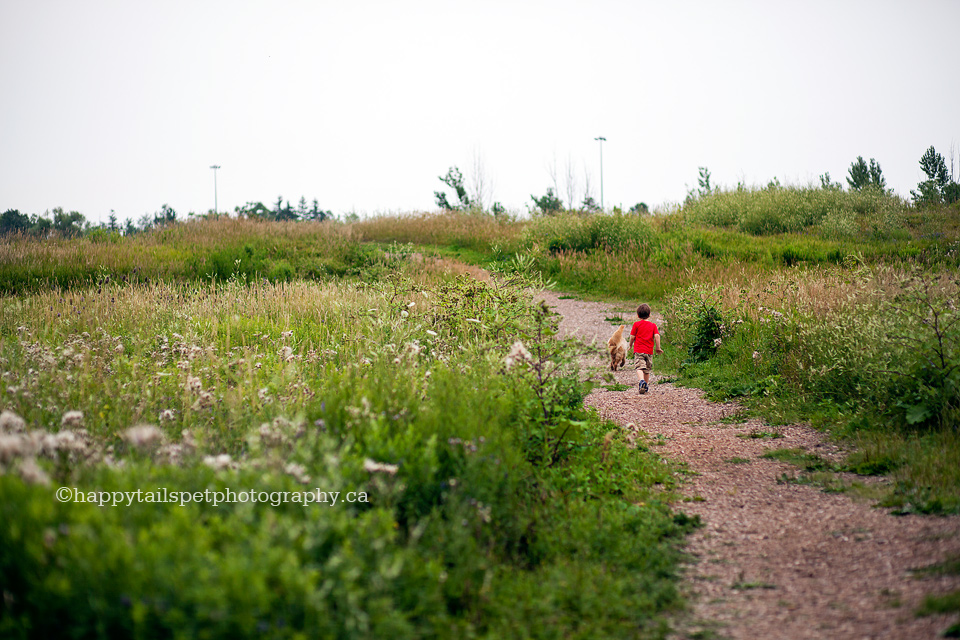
[(73, 223)]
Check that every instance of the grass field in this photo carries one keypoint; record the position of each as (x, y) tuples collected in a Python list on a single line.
[(486, 503), (280, 358)]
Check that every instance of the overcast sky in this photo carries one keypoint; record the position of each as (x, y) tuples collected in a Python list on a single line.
[(362, 105)]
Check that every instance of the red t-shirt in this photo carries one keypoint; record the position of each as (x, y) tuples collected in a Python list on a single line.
[(644, 330)]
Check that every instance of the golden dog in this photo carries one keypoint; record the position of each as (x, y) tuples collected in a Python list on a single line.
[(618, 349)]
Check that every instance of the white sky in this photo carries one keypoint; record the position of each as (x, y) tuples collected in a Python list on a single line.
[(124, 105)]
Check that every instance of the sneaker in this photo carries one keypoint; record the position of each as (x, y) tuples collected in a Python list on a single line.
[(643, 387)]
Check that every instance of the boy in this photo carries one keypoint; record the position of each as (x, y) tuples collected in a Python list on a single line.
[(644, 340)]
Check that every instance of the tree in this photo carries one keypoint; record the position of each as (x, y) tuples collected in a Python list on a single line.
[(827, 183), (454, 180), (704, 181), (937, 187), (166, 216), (861, 176), (12, 221), (68, 224), (302, 210), (318, 214), (252, 210), (640, 208), (112, 221), (548, 204), (589, 205)]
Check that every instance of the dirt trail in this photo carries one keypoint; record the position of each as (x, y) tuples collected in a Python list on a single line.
[(774, 559)]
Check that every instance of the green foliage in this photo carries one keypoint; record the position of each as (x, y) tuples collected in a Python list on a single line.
[(454, 180), (938, 188), (829, 212), (549, 204), (496, 505), (860, 176), (12, 221)]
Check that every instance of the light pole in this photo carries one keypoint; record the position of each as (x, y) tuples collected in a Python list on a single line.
[(216, 166), (602, 140)]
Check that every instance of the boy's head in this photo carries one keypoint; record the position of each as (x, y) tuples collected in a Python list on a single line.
[(643, 311)]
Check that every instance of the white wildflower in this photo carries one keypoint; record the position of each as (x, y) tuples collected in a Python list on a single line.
[(404, 314), (411, 305), (188, 440), (287, 354), (31, 473), (431, 333), (373, 467), (717, 342), (118, 348), (271, 435), (286, 334), (473, 320), (167, 415), (518, 353), (11, 422), (11, 447), (194, 384), (72, 419), (68, 441), (219, 462), (204, 401), (143, 436), (298, 471), (264, 395), (756, 356)]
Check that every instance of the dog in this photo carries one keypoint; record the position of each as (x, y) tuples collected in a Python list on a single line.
[(618, 349)]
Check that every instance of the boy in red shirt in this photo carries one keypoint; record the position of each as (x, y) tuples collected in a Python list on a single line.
[(644, 339)]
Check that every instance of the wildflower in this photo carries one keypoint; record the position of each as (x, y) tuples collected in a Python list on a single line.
[(31, 473), (72, 419), (118, 348), (717, 342), (11, 447), (204, 401), (264, 395), (286, 334), (68, 441), (404, 314), (194, 384), (271, 436), (287, 354), (431, 333), (518, 353), (143, 436), (188, 440), (11, 422), (411, 305), (756, 356), (219, 462), (167, 415), (373, 467), (473, 320), (298, 471)]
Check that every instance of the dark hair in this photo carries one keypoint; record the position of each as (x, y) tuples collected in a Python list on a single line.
[(643, 311)]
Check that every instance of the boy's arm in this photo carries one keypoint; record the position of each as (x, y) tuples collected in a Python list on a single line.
[(656, 342), (633, 337)]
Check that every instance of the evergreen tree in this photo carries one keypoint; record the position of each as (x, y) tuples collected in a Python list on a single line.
[(937, 187), (454, 180)]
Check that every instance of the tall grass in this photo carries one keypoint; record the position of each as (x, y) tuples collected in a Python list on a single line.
[(496, 506), (870, 353), (831, 213)]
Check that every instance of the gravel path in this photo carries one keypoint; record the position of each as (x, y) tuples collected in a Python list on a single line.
[(774, 559)]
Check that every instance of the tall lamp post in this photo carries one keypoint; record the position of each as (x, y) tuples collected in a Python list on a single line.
[(216, 211), (602, 140)]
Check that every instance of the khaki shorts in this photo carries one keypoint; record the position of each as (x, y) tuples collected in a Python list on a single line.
[(643, 362)]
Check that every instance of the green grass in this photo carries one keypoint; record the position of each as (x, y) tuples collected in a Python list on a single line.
[(496, 506)]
